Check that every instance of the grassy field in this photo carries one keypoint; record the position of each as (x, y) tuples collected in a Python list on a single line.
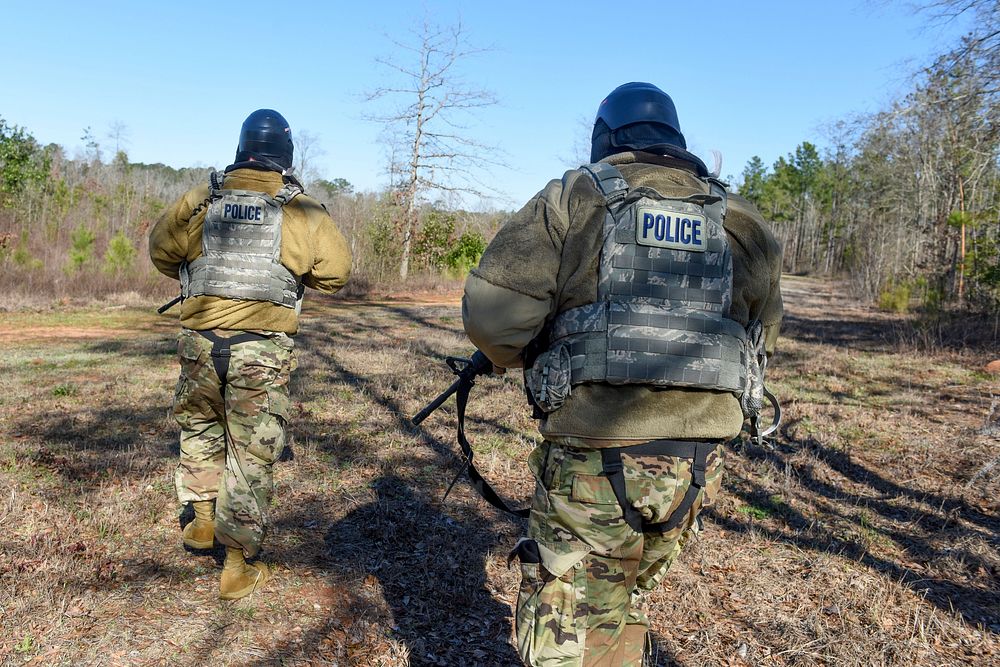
[(868, 534)]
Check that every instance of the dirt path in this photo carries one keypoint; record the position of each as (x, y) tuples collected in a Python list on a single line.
[(315, 307)]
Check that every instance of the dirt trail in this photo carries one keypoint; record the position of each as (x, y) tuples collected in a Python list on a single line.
[(165, 324)]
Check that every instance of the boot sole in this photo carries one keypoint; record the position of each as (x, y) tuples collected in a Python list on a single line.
[(263, 574), (199, 545)]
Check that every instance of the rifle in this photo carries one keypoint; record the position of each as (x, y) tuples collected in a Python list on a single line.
[(169, 304), (467, 371)]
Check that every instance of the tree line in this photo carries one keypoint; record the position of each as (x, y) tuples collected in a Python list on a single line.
[(906, 201), (77, 227)]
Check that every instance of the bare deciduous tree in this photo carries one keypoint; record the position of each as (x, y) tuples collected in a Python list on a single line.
[(118, 133), (307, 150), (430, 146)]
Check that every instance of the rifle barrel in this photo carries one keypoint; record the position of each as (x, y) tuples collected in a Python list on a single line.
[(168, 305), (436, 403)]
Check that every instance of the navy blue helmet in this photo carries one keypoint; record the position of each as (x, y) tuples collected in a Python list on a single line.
[(266, 138), (635, 116)]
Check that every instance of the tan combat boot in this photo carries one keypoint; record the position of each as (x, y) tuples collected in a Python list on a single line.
[(239, 578), (200, 533)]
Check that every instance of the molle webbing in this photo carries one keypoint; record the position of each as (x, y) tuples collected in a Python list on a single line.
[(609, 181), (241, 248), (646, 344), (633, 270), (662, 314)]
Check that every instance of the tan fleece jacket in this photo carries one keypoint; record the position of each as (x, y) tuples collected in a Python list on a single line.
[(311, 247), (545, 261)]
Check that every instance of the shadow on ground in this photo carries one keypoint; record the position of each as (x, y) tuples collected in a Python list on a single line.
[(928, 528)]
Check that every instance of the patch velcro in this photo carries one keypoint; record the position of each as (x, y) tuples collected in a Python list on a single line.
[(667, 228)]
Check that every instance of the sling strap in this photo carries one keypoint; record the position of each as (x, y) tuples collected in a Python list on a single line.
[(613, 469), (478, 482), (221, 352)]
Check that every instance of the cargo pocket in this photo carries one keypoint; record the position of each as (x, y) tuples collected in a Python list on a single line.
[(182, 393), (551, 590), (261, 401), (593, 489), (286, 343), (191, 358), (595, 514), (713, 476), (278, 403)]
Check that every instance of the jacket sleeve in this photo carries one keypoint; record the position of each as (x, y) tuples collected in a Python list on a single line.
[(772, 310), (500, 321), (512, 292), (761, 254), (169, 239), (331, 265)]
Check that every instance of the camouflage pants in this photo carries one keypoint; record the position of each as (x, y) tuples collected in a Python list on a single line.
[(229, 443), (579, 605)]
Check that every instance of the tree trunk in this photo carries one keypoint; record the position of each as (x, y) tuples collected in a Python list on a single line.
[(961, 247)]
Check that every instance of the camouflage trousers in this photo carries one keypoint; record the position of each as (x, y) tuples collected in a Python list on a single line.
[(579, 605), (229, 442)]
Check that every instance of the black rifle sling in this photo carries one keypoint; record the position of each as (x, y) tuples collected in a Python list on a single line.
[(481, 486)]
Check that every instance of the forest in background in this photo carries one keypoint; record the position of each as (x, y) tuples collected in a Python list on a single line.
[(904, 202), (77, 227)]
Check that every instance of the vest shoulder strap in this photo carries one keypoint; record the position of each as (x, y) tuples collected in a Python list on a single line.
[(609, 181), (717, 210), (287, 193)]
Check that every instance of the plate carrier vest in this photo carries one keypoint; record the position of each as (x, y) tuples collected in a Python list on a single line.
[(662, 315), (241, 248)]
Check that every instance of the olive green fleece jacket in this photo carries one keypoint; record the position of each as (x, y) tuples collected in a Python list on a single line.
[(311, 247), (544, 261)]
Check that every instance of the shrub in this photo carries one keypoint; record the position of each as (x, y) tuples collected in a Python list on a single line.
[(895, 298), (432, 244), (23, 257), (465, 253), (120, 254), (82, 249)]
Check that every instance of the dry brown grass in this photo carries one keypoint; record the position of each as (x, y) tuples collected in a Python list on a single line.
[(852, 541)]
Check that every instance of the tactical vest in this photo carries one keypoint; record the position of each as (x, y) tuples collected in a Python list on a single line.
[(664, 295), (241, 248)]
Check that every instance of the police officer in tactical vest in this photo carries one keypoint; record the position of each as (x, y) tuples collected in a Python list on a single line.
[(243, 246), (641, 298)]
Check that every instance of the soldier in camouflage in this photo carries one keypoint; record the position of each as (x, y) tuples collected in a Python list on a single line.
[(243, 247), (639, 296)]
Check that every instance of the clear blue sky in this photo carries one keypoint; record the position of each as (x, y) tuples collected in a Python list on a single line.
[(747, 77)]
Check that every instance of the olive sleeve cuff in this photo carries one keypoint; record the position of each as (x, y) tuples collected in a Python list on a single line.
[(500, 321)]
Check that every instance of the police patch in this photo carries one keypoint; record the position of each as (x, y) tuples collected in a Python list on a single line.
[(666, 228), (241, 213)]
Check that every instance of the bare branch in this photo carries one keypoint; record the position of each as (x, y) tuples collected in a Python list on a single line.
[(427, 130)]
